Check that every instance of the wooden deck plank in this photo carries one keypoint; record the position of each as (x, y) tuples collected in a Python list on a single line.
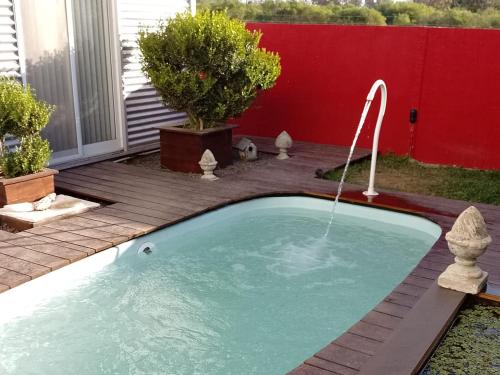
[(332, 367), (177, 200), (131, 216), (401, 299), (306, 369), (161, 213), (358, 343), (83, 249), (4, 236), (381, 319), (371, 331), (417, 335), (35, 257), (22, 267), (59, 251), (411, 290), (161, 181), (136, 187), (343, 356), (12, 278)]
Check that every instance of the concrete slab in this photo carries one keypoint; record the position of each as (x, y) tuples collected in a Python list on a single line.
[(22, 216)]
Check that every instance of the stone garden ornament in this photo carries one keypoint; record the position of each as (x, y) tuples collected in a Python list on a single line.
[(208, 164), (467, 240), (283, 143), (246, 149)]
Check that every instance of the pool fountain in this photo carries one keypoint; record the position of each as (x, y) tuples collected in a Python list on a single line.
[(383, 102)]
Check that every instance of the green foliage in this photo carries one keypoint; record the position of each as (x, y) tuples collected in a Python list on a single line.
[(472, 346), (453, 13), (438, 4), (23, 117), (30, 156), (21, 114), (208, 65), (401, 19), (358, 15), (414, 12), (328, 11)]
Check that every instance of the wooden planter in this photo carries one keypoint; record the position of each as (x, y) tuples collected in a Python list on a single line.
[(27, 188), (181, 149)]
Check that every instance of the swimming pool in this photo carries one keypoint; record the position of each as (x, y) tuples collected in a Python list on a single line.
[(252, 288)]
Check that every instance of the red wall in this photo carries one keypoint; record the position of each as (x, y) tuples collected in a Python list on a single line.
[(451, 76)]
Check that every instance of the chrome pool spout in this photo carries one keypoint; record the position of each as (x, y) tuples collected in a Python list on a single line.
[(383, 102)]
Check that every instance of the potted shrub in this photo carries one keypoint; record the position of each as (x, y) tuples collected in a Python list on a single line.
[(210, 67), (24, 177)]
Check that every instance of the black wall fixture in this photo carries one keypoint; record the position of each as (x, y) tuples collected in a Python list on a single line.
[(413, 116)]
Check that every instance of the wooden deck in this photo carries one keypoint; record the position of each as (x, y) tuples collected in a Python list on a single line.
[(143, 200)]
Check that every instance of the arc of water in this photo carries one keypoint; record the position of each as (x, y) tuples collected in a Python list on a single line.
[(383, 102)]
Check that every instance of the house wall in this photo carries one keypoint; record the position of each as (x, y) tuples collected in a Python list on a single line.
[(451, 76), (9, 53), (143, 107), (10, 61)]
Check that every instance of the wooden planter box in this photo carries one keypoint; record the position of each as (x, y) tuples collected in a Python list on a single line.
[(27, 188), (181, 149)]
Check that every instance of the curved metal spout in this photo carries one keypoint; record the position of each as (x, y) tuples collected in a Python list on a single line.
[(383, 102)]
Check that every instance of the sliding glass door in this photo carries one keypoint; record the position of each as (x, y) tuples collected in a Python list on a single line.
[(69, 62)]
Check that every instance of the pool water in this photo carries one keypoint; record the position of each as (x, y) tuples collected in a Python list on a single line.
[(253, 288)]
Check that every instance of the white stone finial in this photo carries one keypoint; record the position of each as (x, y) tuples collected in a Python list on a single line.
[(208, 164), (468, 240), (44, 203), (283, 143)]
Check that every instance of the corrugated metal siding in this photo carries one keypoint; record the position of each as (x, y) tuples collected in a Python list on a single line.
[(142, 105), (9, 54)]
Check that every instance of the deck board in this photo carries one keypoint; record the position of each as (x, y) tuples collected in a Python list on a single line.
[(142, 200)]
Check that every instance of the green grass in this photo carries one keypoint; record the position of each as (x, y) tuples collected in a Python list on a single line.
[(403, 174)]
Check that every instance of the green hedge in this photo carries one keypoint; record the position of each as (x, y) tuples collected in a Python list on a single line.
[(400, 13)]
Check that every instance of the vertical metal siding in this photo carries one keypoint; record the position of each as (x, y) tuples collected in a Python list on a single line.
[(143, 107), (9, 50), (9, 54)]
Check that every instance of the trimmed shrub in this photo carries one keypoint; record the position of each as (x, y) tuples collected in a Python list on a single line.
[(403, 11), (31, 156), (358, 15), (207, 65), (23, 117)]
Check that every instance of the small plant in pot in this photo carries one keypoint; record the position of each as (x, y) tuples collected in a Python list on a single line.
[(210, 67), (24, 177)]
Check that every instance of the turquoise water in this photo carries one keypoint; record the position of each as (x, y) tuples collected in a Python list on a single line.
[(249, 290)]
